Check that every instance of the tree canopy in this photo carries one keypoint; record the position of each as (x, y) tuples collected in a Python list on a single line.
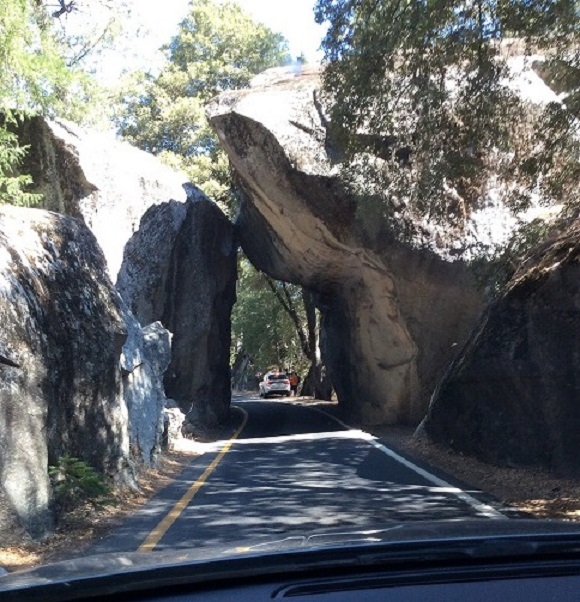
[(32, 76), (218, 47), (423, 102), (262, 327), (33, 72), (40, 72)]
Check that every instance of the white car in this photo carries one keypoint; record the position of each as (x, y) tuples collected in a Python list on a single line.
[(275, 383)]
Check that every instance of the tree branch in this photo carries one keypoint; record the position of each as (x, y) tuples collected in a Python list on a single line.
[(288, 305), (87, 48), (65, 8)]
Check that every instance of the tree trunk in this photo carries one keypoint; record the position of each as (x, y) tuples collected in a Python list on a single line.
[(317, 383), (240, 372)]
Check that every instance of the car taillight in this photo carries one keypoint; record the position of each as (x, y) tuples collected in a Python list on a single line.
[(286, 381)]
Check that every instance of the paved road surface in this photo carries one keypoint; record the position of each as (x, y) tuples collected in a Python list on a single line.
[(294, 469)]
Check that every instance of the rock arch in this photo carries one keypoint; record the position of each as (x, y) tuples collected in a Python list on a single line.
[(394, 314)]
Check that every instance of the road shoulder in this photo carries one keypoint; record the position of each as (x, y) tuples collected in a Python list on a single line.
[(527, 491)]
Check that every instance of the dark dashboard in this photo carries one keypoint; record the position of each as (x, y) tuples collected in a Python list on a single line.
[(511, 560)]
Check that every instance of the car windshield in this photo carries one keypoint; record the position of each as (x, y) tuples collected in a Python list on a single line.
[(278, 276)]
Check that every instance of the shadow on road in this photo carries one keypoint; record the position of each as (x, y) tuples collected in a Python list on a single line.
[(294, 470)]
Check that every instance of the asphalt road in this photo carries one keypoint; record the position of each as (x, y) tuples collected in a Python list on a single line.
[(294, 469)]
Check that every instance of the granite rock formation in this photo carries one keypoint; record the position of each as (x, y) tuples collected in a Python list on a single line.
[(394, 314), (145, 358), (110, 185), (511, 396), (180, 268), (62, 336), (107, 183)]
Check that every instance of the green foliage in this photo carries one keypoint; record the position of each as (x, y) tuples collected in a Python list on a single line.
[(218, 47), (74, 483), (261, 326), (423, 108), (34, 77), (13, 186)]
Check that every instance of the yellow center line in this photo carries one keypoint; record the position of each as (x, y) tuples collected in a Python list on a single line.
[(159, 531)]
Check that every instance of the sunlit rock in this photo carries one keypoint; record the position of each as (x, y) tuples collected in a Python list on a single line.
[(394, 314), (173, 419), (146, 355), (91, 175)]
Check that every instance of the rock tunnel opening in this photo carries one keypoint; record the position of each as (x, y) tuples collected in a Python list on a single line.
[(393, 314)]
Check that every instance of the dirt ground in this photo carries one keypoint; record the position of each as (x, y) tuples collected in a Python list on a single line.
[(86, 524), (533, 492), (79, 529)]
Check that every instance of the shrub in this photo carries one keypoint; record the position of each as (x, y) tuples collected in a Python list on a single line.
[(75, 482)]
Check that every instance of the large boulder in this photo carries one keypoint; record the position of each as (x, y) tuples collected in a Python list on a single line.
[(394, 313), (107, 183), (511, 396), (111, 185), (180, 268), (61, 341)]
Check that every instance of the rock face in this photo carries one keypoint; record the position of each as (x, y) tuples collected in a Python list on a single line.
[(143, 278), (62, 335), (173, 419), (145, 358), (393, 314), (180, 268), (511, 397), (78, 373), (90, 175), (110, 185)]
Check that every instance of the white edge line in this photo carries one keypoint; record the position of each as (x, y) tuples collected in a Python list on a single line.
[(480, 507)]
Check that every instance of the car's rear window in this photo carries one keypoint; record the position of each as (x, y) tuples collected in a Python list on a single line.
[(277, 377)]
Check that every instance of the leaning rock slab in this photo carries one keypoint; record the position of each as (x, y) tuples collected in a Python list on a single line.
[(394, 314), (91, 175), (60, 344), (511, 397)]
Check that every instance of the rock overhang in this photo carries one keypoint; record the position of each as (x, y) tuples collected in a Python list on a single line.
[(298, 223), (284, 102)]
